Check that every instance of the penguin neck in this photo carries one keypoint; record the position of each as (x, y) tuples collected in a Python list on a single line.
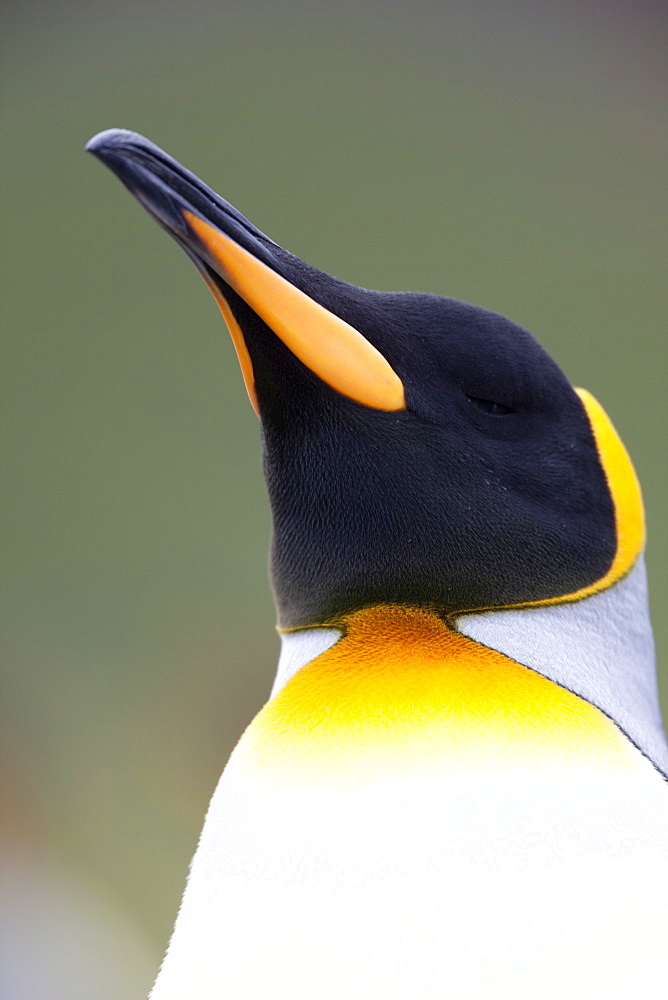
[(595, 653), (601, 648)]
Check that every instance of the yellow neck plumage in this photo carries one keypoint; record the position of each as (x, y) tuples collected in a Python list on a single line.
[(402, 690)]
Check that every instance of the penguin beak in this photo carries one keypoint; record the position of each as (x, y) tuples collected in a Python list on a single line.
[(231, 253)]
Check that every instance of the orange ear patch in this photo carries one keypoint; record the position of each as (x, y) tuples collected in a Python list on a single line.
[(627, 501), (624, 489)]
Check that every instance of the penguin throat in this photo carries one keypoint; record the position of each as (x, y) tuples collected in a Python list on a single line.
[(402, 689)]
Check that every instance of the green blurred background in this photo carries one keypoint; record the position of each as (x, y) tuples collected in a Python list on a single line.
[(509, 154)]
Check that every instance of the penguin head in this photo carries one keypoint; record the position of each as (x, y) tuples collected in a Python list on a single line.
[(418, 451)]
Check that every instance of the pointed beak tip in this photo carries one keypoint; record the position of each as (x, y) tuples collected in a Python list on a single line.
[(110, 139)]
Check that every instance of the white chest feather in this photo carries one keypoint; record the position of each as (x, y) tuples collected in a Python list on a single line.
[(495, 836), (489, 886)]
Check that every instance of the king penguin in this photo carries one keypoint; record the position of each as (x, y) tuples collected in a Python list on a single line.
[(457, 788)]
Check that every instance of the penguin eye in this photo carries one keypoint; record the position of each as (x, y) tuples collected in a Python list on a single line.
[(489, 406)]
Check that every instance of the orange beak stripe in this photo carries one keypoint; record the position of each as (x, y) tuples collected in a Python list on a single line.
[(331, 348), (237, 339)]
